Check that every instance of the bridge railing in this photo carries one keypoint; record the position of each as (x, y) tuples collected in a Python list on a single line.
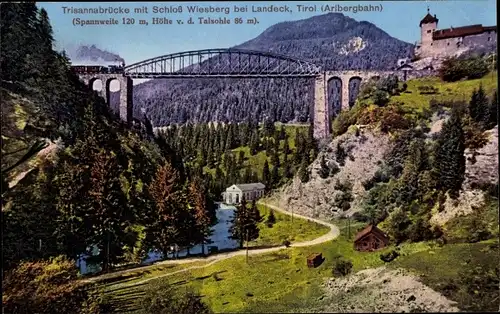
[(222, 62)]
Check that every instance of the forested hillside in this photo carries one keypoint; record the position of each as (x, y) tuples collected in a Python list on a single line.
[(73, 177), (333, 41), (245, 152)]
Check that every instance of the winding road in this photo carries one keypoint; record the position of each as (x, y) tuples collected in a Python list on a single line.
[(215, 258)]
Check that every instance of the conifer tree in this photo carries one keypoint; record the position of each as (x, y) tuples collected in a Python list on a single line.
[(247, 178), (300, 149), (162, 232), (282, 133), (275, 177), (275, 159), (287, 171), (108, 208), (303, 171), (416, 163), (493, 111), (286, 146), (254, 143), (324, 171), (202, 230), (254, 219), (239, 222), (271, 219), (266, 175), (241, 158), (449, 164), (479, 107)]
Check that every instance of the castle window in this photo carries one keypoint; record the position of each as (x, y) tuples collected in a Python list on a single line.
[(428, 31), (489, 38), (431, 44), (448, 44)]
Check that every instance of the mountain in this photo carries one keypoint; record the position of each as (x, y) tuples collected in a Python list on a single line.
[(333, 40)]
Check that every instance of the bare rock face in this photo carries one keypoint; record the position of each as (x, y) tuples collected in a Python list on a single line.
[(465, 204), (364, 149), (382, 290), (482, 165), (481, 168)]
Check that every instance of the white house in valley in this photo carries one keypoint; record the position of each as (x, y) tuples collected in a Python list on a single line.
[(251, 191)]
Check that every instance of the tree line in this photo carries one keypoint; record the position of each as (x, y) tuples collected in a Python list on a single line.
[(418, 174), (219, 152), (104, 184)]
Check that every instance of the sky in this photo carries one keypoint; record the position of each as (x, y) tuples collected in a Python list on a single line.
[(134, 43)]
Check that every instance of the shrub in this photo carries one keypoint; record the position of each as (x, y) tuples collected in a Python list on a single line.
[(334, 169), (286, 243), (420, 231), (342, 267), (340, 154), (454, 69), (428, 90), (389, 256), (391, 119), (441, 241), (398, 225), (388, 84), (342, 122), (361, 217), (345, 186), (165, 299), (324, 171), (271, 219), (48, 287), (380, 98)]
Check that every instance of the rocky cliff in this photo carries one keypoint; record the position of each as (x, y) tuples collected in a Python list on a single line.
[(364, 150)]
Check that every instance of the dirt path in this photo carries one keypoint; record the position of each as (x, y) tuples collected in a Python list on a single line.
[(332, 234)]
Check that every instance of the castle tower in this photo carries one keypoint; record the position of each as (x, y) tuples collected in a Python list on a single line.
[(427, 26)]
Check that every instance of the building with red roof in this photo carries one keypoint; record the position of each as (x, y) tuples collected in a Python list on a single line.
[(449, 41)]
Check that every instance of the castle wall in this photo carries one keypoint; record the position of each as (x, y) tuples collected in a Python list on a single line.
[(484, 39), (450, 46)]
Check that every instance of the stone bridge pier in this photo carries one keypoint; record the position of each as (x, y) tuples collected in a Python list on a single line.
[(126, 91), (322, 114)]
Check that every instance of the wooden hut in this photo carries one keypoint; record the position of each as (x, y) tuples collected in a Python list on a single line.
[(370, 239), (314, 260)]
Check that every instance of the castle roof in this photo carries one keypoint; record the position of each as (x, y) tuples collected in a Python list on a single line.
[(428, 19), (461, 31)]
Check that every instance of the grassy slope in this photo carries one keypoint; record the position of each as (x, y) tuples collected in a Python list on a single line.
[(284, 229), (277, 281), (447, 92), (439, 266), (281, 281)]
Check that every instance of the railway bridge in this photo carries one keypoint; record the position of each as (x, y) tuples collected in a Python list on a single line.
[(341, 86)]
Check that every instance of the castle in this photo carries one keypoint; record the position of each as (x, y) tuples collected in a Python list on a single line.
[(454, 40)]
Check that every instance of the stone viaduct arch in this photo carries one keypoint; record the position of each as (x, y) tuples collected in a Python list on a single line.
[(331, 88), (353, 90), (126, 92)]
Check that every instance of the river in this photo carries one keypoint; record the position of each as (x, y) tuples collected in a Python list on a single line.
[(219, 238)]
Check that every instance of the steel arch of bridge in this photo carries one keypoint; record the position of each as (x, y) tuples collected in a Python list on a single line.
[(222, 63)]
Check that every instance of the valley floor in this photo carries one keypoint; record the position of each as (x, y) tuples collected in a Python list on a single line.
[(278, 280)]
